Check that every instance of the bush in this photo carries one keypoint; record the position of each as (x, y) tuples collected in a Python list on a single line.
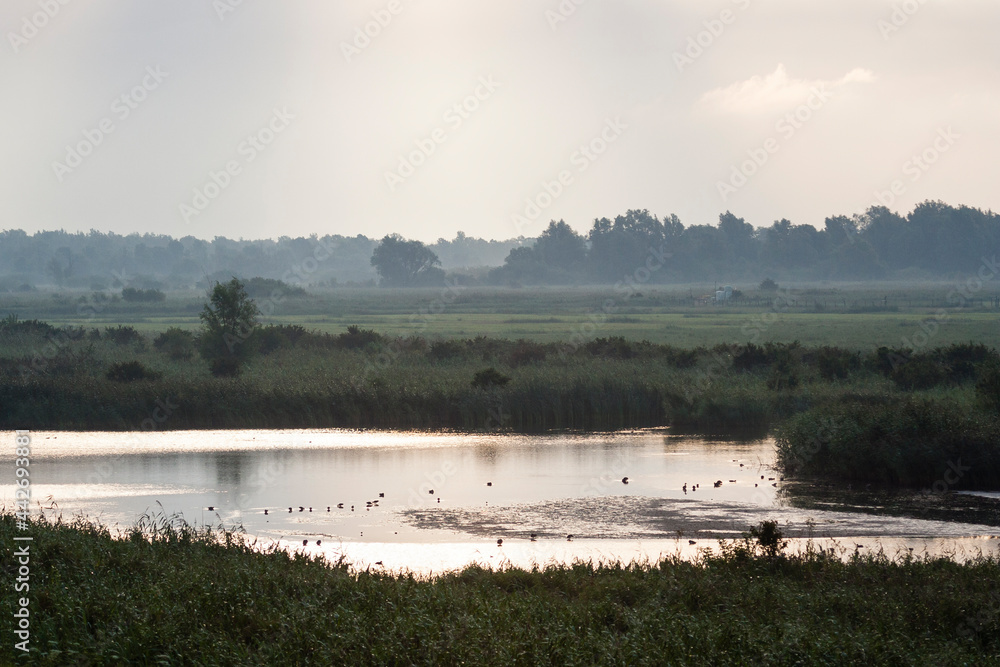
[(896, 442), (488, 378), (278, 336), (835, 363), (527, 352), (615, 347), (988, 387), (921, 371), (445, 349), (175, 343), (268, 287), (123, 335), (768, 285), (131, 371), (357, 338)]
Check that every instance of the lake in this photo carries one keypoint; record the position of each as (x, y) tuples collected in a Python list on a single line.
[(430, 502)]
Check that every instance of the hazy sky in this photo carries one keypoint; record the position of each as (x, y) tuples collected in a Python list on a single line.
[(125, 116)]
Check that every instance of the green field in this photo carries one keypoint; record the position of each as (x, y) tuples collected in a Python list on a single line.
[(852, 316)]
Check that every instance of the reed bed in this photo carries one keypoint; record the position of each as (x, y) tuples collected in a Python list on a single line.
[(166, 593)]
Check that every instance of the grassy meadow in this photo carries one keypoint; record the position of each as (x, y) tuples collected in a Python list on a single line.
[(858, 316), (166, 593)]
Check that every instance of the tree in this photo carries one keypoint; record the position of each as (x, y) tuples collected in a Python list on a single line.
[(402, 263), (230, 319)]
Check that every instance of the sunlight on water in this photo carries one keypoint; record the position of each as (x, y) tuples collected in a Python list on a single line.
[(437, 501)]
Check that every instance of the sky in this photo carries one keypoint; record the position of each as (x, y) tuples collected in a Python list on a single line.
[(261, 119)]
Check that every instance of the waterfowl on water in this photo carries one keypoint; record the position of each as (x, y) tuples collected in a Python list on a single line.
[(569, 537), (265, 512), (211, 508), (624, 480), (305, 542), (319, 542), (718, 483), (340, 506), (500, 542), (489, 483), (381, 495), (534, 536), (302, 509), (692, 542), (289, 510), (431, 492)]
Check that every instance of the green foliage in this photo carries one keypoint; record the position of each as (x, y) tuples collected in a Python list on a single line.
[(356, 338), (270, 288), (124, 335), (175, 343), (131, 371), (835, 363), (168, 593), (230, 320), (768, 286), (988, 387), (894, 441), (489, 378), (402, 263), (920, 371)]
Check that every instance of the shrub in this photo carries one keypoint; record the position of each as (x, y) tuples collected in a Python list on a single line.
[(131, 371), (123, 335), (768, 285), (488, 378), (988, 387), (445, 349), (835, 363), (527, 352), (175, 343), (922, 371), (268, 287), (356, 338), (614, 347)]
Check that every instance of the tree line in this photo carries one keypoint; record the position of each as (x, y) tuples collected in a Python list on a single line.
[(935, 240)]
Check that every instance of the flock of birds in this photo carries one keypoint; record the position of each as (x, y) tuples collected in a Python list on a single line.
[(534, 536)]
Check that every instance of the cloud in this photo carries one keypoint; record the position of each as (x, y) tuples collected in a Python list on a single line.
[(774, 91)]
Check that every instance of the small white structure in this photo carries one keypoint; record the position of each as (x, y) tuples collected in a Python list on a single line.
[(724, 294)]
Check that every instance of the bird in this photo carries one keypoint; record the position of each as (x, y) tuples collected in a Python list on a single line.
[(381, 495), (718, 484), (352, 508), (431, 492), (302, 509), (289, 510), (305, 542), (534, 536), (265, 512), (685, 487), (378, 562), (211, 508), (319, 542), (762, 477), (624, 480), (340, 506), (732, 481), (500, 542), (489, 483), (569, 537), (327, 508), (691, 542), (310, 509)]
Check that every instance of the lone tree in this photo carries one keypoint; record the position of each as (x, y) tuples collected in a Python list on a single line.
[(230, 319), (402, 263)]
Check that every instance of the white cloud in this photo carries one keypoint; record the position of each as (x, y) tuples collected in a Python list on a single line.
[(775, 91)]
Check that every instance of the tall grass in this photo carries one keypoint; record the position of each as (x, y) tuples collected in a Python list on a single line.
[(165, 593)]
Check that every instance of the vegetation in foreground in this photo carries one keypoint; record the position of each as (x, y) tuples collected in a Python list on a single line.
[(166, 593)]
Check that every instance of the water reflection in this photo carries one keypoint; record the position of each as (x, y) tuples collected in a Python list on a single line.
[(423, 491)]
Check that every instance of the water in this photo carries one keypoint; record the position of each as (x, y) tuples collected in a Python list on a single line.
[(431, 501)]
